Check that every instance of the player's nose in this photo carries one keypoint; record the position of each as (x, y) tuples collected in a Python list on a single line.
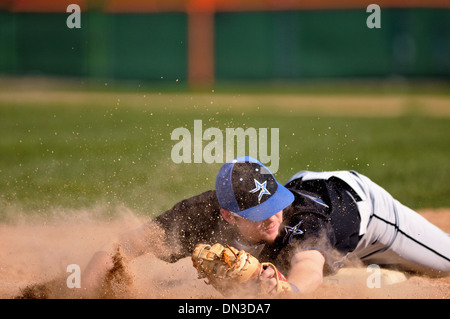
[(270, 219)]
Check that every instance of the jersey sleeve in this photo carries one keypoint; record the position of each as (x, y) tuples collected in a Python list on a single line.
[(313, 232), (329, 216), (188, 223), (308, 226), (303, 232)]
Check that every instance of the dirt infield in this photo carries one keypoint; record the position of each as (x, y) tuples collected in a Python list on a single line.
[(35, 251)]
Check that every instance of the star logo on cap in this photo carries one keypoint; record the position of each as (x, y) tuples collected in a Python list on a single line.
[(261, 188)]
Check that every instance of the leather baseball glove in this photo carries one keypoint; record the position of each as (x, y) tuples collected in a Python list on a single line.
[(228, 269)]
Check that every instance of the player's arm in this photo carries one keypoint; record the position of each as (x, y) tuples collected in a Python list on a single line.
[(307, 270), (166, 237), (96, 269), (131, 244)]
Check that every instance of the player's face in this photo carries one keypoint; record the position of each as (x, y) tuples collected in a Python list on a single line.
[(266, 230)]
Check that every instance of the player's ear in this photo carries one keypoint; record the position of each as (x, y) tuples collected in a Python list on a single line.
[(226, 214)]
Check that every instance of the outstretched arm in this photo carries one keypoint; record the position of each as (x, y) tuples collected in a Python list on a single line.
[(307, 270), (188, 222), (148, 238)]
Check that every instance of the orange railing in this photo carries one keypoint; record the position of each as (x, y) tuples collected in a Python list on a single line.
[(210, 5)]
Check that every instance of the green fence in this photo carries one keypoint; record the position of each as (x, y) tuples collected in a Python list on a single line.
[(307, 44), (123, 46), (248, 45)]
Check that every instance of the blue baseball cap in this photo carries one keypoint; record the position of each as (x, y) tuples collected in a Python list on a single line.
[(246, 187)]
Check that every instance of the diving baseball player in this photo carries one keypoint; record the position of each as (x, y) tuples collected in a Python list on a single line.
[(306, 228)]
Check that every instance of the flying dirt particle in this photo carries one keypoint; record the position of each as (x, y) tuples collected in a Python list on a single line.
[(118, 282), (36, 291)]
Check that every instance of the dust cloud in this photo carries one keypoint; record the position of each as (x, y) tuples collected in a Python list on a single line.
[(36, 251)]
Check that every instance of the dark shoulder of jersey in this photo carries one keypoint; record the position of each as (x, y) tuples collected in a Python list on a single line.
[(192, 221), (323, 216)]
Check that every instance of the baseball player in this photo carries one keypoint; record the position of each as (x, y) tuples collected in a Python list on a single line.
[(307, 228)]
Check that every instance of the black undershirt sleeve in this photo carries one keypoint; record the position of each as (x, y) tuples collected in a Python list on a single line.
[(190, 222)]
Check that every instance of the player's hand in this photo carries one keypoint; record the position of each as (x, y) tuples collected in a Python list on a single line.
[(268, 280)]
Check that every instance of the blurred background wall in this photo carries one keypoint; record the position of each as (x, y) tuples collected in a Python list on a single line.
[(202, 42)]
